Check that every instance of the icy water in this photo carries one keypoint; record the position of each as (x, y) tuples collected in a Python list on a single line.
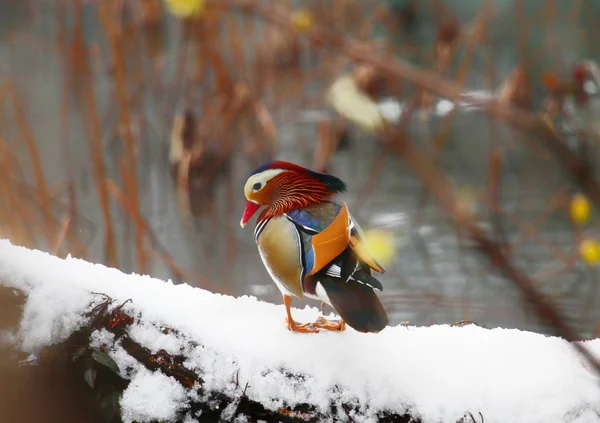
[(434, 278)]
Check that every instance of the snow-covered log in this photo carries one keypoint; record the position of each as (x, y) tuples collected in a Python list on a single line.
[(165, 352)]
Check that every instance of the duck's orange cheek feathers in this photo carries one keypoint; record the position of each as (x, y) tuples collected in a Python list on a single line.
[(249, 211)]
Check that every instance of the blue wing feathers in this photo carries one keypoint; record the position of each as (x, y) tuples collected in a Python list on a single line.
[(306, 220)]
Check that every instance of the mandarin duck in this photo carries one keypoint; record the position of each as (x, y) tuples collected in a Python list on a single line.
[(312, 247)]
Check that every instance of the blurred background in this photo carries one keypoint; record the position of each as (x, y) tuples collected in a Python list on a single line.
[(128, 129)]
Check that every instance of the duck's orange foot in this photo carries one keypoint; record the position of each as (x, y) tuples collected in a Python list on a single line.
[(300, 327), (333, 325)]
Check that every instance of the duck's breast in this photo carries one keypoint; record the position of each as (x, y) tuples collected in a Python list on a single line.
[(279, 246)]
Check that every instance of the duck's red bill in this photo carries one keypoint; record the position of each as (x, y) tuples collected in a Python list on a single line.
[(248, 212)]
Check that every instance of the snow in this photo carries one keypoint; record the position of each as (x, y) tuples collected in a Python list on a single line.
[(438, 373), (140, 401)]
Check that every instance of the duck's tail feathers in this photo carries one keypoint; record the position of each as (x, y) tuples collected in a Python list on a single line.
[(356, 302)]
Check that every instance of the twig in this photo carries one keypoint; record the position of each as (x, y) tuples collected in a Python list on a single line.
[(28, 139), (97, 154), (130, 172)]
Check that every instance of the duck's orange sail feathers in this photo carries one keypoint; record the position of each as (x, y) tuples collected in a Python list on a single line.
[(334, 239)]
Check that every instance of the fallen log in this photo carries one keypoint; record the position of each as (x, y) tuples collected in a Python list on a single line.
[(150, 351)]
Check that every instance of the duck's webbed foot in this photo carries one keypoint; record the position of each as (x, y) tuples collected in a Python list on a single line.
[(333, 325), (300, 327)]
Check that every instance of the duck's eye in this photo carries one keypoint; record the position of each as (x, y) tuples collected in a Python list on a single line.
[(257, 186)]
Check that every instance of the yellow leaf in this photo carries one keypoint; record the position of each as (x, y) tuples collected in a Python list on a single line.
[(589, 250), (302, 21), (349, 101), (580, 208), (380, 245), (185, 8)]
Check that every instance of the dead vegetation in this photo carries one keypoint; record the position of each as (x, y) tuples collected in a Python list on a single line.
[(215, 91)]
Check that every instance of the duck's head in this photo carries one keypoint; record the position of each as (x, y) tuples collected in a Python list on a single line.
[(284, 186)]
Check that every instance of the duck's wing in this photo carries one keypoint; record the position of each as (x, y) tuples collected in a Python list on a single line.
[(345, 282), (327, 231), (339, 273)]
